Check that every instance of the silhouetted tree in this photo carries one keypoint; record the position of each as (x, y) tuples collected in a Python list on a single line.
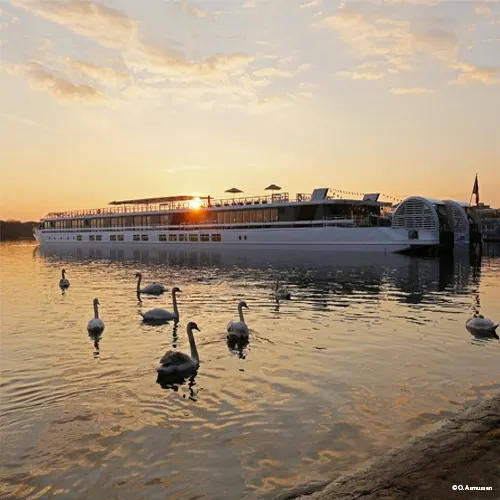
[(14, 229)]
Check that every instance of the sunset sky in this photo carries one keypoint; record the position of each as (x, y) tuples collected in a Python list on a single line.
[(117, 99)]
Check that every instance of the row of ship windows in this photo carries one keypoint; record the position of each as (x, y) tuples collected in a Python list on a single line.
[(161, 237)]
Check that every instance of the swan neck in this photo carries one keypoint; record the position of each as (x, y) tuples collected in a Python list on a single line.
[(192, 344), (63, 273), (240, 312), (139, 282), (174, 300), (96, 312)]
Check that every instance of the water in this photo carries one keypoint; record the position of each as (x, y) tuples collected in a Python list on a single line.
[(369, 349)]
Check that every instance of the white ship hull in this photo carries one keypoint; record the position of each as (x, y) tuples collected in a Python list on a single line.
[(369, 239)]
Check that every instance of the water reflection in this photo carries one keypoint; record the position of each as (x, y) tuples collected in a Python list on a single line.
[(175, 383), (370, 348), (238, 346), (321, 273), (96, 338)]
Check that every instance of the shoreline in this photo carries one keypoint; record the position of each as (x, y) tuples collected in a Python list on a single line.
[(463, 450)]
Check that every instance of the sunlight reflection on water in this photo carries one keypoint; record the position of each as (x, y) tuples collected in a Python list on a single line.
[(369, 349)]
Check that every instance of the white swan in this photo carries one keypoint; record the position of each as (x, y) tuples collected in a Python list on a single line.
[(238, 329), (481, 325), (154, 289), (95, 325), (179, 363), (63, 282), (163, 314), (281, 293)]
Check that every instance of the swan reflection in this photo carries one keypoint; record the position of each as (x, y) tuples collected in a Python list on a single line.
[(238, 346), (168, 383), (95, 338)]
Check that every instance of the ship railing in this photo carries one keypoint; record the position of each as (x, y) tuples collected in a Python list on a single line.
[(162, 207), (303, 197), (249, 200)]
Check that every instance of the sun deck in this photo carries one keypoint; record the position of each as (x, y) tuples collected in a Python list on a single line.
[(150, 206)]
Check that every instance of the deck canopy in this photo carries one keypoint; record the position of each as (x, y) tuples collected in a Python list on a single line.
[(152, 201)]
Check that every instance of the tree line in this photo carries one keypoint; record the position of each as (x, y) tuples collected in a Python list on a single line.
[(15, 229)]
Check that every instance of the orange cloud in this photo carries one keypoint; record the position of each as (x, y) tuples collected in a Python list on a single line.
[(411, 90), (44, 78)]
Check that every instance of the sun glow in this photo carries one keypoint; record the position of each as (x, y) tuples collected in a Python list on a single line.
[(195, 204)]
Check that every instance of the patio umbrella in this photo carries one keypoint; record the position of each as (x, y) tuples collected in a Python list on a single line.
[(233, 191), (272, 187)]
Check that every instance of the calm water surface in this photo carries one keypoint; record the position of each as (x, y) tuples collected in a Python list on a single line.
[(369, 349)]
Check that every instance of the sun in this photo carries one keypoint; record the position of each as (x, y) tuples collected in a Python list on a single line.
[(195, 204)]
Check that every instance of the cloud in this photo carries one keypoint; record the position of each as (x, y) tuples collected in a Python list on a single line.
[(360, 72), (311, 4), (44, 78), (250, 4), (488, 75), (146, 68), (430, 3), (411, 90), (104, 74), (270, 72), (482, 10), (395, 46), (192, 11), (109, 27), (286, 100)]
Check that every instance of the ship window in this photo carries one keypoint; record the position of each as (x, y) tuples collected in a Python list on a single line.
[(114, 221), (164, 220), (239, 217), (193, 237), (204, 237), (129, 221), (91, 237), (144, 237), (172, 237), (137, 237), (216, 237), (98, 237), (155, 220), (182, 237), (138, 220), (162, 237), (246, 216), (120, 237), (112, 237), (79, 237)]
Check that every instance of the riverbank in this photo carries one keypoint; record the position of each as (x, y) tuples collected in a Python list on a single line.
[(464, 450)]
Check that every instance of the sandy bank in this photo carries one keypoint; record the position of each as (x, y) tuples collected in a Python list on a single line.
[(464, 450)]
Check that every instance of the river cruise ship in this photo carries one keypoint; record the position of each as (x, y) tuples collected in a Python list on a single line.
[(310, 220)]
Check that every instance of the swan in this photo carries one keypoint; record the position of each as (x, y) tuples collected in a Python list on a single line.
[(481, 325), (63, 282), (95, 325), (179, 363), (154, 289), (281, 293), (239, 328), (163, 314)]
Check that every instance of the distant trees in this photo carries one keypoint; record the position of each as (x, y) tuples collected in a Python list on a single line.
[(14, 229)]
